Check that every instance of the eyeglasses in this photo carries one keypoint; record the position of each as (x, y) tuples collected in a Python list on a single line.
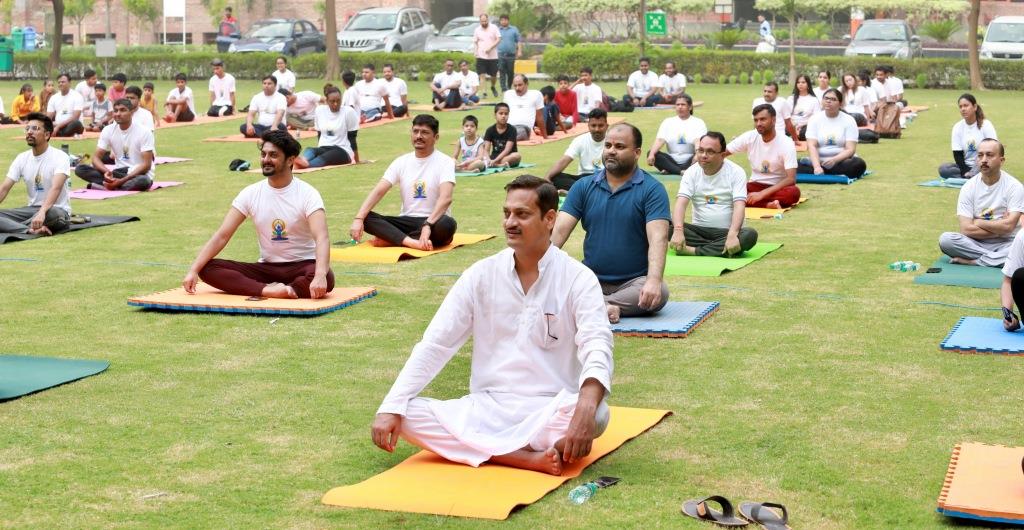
[(830, 99), (707, 152), (33, 128)]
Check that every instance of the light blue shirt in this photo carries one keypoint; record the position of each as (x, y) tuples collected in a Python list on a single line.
[(510, 39), (766, 28)]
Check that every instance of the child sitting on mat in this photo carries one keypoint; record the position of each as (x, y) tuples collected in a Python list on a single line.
[(469, 154)]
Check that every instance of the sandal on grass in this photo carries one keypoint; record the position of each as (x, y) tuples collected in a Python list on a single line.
[(699, 509), (761, 513)]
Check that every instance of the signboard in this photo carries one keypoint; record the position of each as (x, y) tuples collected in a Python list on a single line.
[(106, 47), (174, 8), (655, 23)]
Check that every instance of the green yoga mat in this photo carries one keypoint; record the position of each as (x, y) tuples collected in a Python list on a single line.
[(21, 375), (493, 170), (714, 266), (961, 275)]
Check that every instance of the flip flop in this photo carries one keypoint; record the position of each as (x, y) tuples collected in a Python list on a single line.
[(698, 509), (761, 513)]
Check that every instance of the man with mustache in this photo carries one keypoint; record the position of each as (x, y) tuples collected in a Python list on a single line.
[(989, 208), (291, 227), (625, 213), (772, 157), (426, 180), (587, 149), (45, 170)]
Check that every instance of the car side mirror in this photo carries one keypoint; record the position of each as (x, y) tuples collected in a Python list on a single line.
[(403, 29), (847, 37), (235, 35), (915, 38)]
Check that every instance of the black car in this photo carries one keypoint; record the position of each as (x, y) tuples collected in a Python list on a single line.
[(287, 36)]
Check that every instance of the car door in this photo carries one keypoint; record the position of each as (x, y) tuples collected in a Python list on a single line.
[(315, 38), (423, 29), (406, 28), (298, 38)]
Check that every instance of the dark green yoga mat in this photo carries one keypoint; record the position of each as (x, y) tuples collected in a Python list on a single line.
[(94, 221), (961, 275), (21, 375)]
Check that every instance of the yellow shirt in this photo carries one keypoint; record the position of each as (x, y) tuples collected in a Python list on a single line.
[(148, 105), (21, 108)]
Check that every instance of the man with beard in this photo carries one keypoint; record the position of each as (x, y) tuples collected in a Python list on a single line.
[(772, 157), (291, 227), (587, 149), (129, 147), (625, 213), (45, 171)]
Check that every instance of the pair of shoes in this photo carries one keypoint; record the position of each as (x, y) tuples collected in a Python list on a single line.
[(763, 514)]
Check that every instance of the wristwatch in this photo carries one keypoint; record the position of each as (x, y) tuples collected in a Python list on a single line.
[(428, 224)]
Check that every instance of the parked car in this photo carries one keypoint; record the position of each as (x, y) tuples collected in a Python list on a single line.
[(455, 36), (390, 29), (1004, 39), (885, 38), (287, 36)]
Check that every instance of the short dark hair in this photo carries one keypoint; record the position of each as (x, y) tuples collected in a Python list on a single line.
[(563, 77), (471, 118), (587, 70), (370, 66), (281, 58), (462, 62), (644, 60), (64, 75), (547, 194), (388, 65), (284, 92), (428, 120), (772, 84), (148, 85), (638, 137), (283, 141), (123, 102), (100, 86), (503, 16), (717, 136), (89, 73), (839, 95), (597, 114), (133, 90), (271, 78), (1002, 150), (348, 77), (39, 116), (548, 91), (501, 105), (763, 107), (181, 77), (120, 77), (331, 89), (673, 63)]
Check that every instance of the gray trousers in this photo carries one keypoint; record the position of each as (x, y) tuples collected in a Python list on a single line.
[(710, 241), (299, 122), (950, 170), (18, 220), (626, 296), (988, 252)]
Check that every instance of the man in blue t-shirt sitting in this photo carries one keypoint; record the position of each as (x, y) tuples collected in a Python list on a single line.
[(625, 213)]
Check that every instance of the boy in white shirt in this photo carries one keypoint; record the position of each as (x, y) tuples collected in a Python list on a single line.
[(45, 170), (643, 86), (589, 96), (222, 91), (130, 145), (680, 134), (673, 84), (101, 109), (181, 103), (266, 111)]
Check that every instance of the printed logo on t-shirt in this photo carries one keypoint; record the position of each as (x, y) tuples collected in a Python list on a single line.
[(682, 139), (277, 228), (972, 146), (765, 166), (124, 154), (831, 140), (711, 199), (988, 213), (39, 182), (598, 162), (420, 190)]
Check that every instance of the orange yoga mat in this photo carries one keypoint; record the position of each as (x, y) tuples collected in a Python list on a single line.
[(984, 482), (296, 171), (916, 108), (427, 483), (579, 129), (210, 300), (200, 120), (768, 213), (367, 253)]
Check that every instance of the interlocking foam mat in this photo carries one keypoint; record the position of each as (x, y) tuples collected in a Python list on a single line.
[(675, 320), (984, 482), (210, 300), (983, 335)]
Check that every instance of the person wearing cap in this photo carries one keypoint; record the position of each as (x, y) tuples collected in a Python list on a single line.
[(222, 91)]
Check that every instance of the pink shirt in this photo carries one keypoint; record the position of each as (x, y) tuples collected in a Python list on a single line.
[(484, 39)]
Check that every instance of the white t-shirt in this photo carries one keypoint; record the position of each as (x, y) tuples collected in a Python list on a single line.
[(186, 94), (285, 80), (334, 126), (469, 150), (350, 97), (222, 88), (713, 196), (470, 82), (419, 181), (126, 147), (266, 107), (681, 135), (967, 138), (305, 104), (768, 161), (806, 106), (881, 89), (63, 106), (783, 110), (396, 89), (588, 152), (281, 218), (643, 84), (523, 109), (991, 203), (446, 80), (672, 85), (819, 93), (143, 118), (870, 95), (855, 103), (1015, 258), (371, 94), (588, 97), (87, 92), (38, 172), (894, 86), (832, 133)]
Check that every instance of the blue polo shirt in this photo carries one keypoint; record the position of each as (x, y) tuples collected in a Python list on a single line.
[(509, 42), (615, 246)]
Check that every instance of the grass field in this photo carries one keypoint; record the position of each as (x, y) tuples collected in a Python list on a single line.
[(819, 384)]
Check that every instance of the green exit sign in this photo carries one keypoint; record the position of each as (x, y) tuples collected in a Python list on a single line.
[(655, 23)]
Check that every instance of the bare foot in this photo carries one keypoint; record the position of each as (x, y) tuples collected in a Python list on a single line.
[(300, 162), (774, 205), (378, 242), (614, 312), (42, 230), (279, 290), (549, 461), (963, 261), (415, 244)]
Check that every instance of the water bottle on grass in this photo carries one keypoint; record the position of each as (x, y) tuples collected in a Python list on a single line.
[(582, 493)]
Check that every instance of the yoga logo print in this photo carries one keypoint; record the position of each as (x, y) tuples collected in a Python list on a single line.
[(278, 228), (972, 147), (831, 140), (765, 166), (988, 213), (420, 190), (39, 182), (711, 199)]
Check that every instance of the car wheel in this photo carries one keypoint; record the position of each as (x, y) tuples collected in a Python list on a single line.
[(396, 49)]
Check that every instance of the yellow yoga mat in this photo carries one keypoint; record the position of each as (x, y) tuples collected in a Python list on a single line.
[(768, 213), (367, 253), (427, 483)]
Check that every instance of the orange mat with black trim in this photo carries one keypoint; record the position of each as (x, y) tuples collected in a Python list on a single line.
[(427, 483), (579, 129), (769, 213), (367, 253), (984, 482), (210, 300), (296, 171)]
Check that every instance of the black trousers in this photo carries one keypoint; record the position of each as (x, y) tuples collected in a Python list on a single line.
[(506, 70), (399, 110), (395, 228), (853, 167), (666, 163), (1017, 288), (564, 181), (71, 129)]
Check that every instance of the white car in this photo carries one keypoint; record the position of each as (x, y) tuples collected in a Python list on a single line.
[(1004, 39), (388, 29)]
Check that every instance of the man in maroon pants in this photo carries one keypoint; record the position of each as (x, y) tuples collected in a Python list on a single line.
[(772, 159), (291, 226)]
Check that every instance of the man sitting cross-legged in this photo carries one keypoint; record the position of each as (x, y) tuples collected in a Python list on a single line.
[(291, 227), (426, 179), (625, 213), (588, 149), (542, 354), (772, 159), (989, 208), (45, 170), (130, 145), (679, 134), (718, 190), (266, 111)]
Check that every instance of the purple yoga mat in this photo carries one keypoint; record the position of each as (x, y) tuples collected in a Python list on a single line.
[(99, 195)]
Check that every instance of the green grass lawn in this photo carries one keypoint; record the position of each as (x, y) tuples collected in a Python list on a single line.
[(819, 384)]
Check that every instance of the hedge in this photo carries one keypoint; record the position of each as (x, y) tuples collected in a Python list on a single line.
[(196, 65), (616, 61)]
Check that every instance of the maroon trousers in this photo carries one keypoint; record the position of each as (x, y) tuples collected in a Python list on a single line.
[(249, 279), (787, 196)]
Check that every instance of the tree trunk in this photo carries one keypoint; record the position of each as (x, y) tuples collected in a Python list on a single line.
[(792, 49), (333, 68), (972, 46), (58, 38)]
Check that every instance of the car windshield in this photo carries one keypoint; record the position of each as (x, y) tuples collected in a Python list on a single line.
[(461, 31), (1005, 32), (890, 32), (276, 30), (372, 22)]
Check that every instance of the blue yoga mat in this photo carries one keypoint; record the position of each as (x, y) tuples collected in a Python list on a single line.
[(21, 375), (675, 320), (956, 183), (983, 335)]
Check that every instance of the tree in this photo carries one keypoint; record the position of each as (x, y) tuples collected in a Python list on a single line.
[(58, 31), (333, 68), (145, 10), (77, 10), (972, 45), (789, 9)]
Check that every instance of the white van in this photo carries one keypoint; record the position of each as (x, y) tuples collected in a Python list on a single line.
[(1004, 39)]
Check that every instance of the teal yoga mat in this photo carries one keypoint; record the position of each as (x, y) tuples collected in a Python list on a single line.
[(961, 275), (21, 375), (714, 266), (944, 183), (493, 170)]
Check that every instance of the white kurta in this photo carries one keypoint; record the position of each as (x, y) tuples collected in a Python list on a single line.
[(531, 354)]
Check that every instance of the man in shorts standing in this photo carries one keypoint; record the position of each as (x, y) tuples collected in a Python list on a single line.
[(485, 44)]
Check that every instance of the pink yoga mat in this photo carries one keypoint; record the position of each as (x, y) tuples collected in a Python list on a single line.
[(99, 195)]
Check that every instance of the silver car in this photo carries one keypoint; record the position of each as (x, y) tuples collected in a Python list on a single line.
[(389, 29), (885, 38), (455, 36)]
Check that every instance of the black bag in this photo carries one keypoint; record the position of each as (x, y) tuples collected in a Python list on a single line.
[(620, 105), (867, 136)]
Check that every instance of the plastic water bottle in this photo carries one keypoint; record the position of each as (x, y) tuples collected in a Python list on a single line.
[(580, 494), (777, 216), (904, 266)]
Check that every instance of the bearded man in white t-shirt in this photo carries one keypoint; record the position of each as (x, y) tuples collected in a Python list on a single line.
[(783, 108), (588, 149), (643, 88), (291, 227), (988, 210), (128, 147), (773, 163), (266, 111), (45, 171), (426, 180), (673, 83)]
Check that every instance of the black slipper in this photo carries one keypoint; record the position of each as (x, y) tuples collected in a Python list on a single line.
[(698, 509), (761, 513)]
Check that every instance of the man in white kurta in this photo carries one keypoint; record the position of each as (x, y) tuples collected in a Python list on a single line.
[(542, 353)]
